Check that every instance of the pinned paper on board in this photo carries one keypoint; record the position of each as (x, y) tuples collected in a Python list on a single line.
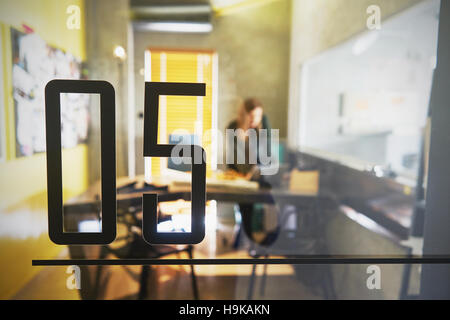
[(34, 64)]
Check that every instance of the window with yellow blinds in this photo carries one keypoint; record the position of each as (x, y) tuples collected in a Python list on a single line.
[(196, 116)]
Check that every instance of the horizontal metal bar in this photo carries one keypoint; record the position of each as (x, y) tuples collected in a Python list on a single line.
[(305, 260)]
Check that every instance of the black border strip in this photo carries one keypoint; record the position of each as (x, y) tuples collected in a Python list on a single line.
[(303, 260)]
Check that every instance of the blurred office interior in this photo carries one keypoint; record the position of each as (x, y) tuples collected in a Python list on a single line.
[(347, 84)]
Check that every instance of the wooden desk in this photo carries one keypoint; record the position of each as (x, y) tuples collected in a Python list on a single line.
[(90, 202)]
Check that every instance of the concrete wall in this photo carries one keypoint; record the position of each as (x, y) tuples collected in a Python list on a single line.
[(253, 49), (319, 25), (260, 54), (107, 22)]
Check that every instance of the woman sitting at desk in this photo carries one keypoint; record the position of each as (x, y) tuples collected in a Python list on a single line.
[(251, 119)]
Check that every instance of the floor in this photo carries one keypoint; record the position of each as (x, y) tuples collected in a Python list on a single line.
[(174, 282)]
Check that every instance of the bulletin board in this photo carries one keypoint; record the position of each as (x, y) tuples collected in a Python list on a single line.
[(34, 63), (2, 101)]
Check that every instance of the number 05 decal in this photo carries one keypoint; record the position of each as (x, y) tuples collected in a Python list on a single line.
[(152, 149), (53, 90)]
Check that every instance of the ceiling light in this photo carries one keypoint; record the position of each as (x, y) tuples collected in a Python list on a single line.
[(185, 27)]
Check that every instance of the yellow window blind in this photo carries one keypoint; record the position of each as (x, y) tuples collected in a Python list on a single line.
[(192, 114)]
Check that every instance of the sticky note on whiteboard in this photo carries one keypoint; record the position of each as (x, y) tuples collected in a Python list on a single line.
[(304, 182)]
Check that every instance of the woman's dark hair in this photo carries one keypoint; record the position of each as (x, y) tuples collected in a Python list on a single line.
[(251, 103), (247, 106)]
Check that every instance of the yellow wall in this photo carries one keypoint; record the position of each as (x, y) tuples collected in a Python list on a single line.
[(23, 198), (47, 18)]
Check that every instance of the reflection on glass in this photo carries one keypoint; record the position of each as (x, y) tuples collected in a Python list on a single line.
[(367, 99)]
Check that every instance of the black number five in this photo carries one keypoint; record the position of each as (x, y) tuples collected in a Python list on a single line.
[(54, 167), (152, 149)]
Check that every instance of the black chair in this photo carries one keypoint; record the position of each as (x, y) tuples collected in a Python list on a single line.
[(136, 248), (94, 281), (304, 238)]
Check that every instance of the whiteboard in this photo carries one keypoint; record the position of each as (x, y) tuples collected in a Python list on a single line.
[(367, 98)]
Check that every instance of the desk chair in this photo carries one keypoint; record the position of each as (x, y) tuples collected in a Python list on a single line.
[(93, 280), (136, 248), (306, 238)]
